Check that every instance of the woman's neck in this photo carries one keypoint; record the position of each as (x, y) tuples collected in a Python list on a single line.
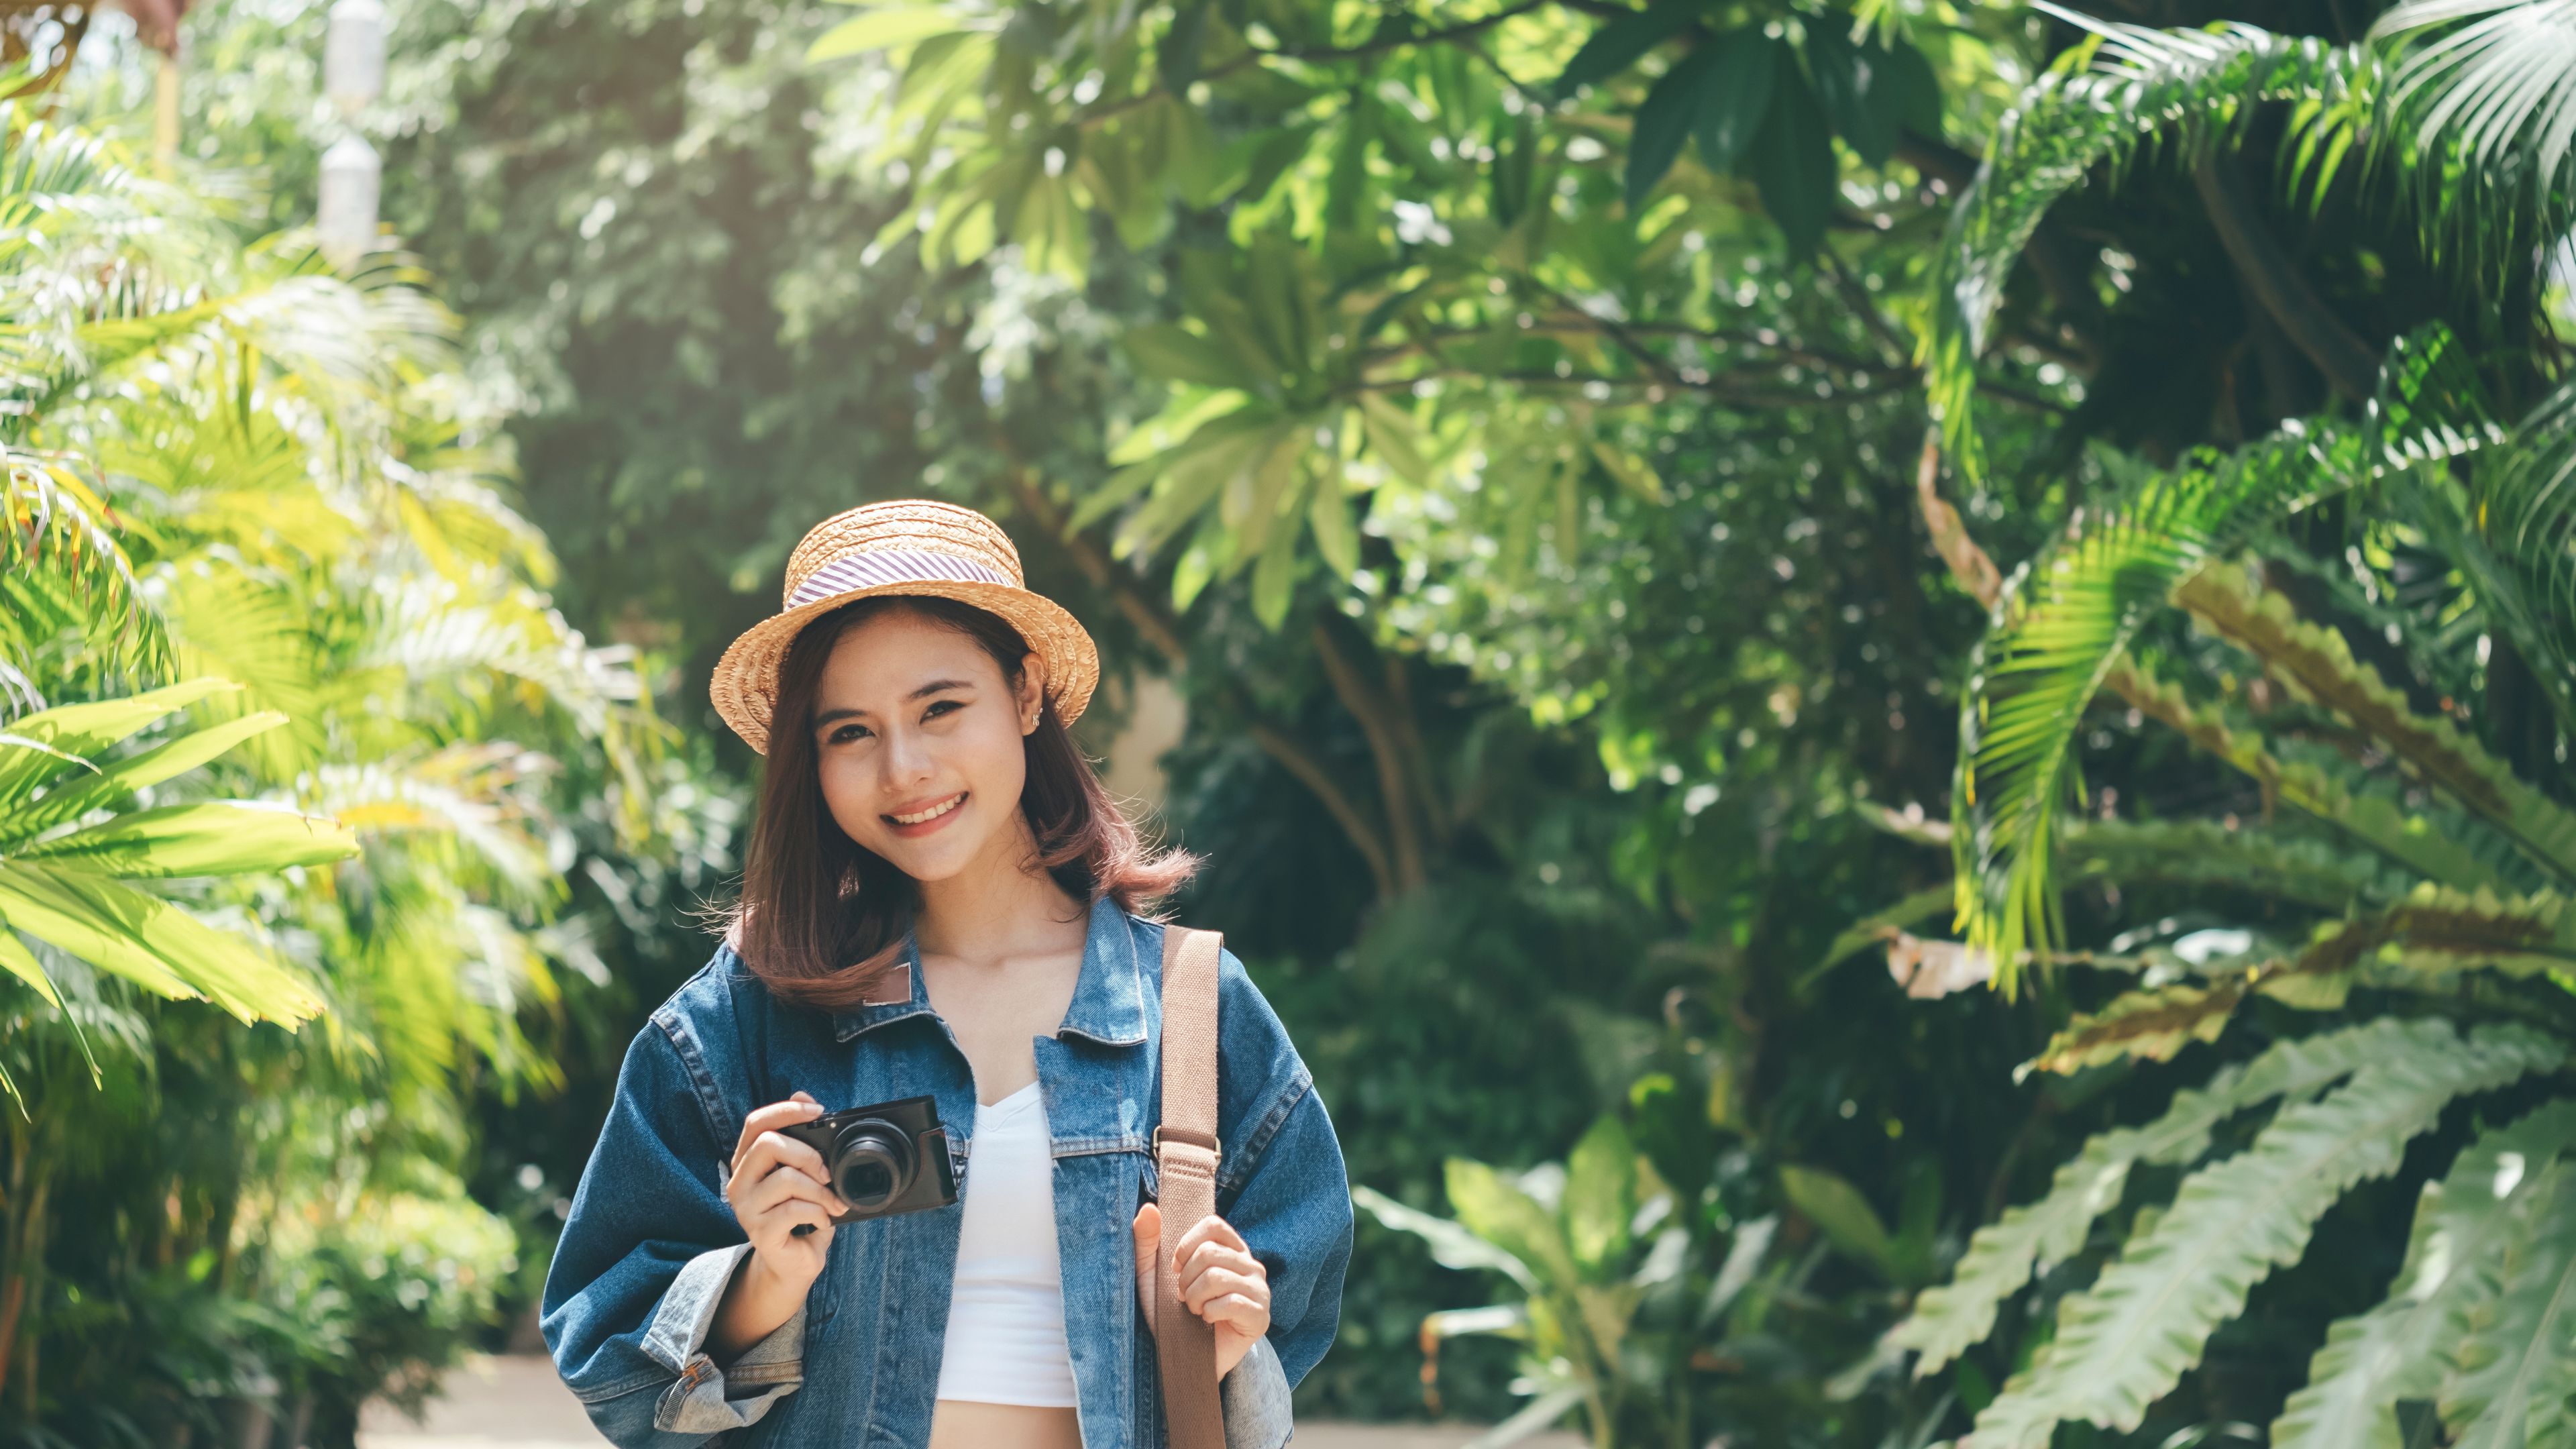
[(997, 910)]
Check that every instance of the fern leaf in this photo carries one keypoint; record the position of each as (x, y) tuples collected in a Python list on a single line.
[(2266, 863), (2126, 1341), (2149, 1025), (2513, 1380), (2003, 1255), (2398, 1350), (2423, 943), (2317, 665), (2412, 837)]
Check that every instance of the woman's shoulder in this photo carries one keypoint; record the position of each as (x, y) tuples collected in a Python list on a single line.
[(721, 1010), (1242, 1010)]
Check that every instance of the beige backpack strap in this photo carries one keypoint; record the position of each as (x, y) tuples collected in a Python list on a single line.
[(1185, 1158)]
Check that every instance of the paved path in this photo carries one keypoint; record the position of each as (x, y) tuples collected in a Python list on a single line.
[(517, 1402)]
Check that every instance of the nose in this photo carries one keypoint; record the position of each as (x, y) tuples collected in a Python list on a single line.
[(907, 761)]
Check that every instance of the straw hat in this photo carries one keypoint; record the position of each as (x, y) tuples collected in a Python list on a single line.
[(902, 546)]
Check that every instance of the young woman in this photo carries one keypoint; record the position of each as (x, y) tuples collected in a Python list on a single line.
[(938, 900)]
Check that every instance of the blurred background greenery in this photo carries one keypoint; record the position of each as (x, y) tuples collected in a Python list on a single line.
[(1539, 474)]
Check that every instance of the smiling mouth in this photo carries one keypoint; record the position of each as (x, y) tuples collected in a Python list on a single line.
[(933, 813)]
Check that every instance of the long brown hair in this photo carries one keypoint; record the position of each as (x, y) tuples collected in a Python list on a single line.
[(821, 917)]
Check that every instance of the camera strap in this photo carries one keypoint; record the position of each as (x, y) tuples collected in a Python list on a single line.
[(1185, 1160)]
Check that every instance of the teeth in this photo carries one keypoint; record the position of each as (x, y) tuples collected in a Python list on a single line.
[(931, 814)]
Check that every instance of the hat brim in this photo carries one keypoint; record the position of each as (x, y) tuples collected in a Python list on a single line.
[(745, 686)]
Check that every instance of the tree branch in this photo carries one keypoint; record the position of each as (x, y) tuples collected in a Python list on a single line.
[(1386, 746), (1968, 563), (2312, 327)]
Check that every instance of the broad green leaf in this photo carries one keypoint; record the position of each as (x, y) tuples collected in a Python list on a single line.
[(1453, 1245), (1274, 576), (1664, 121), (1793, 164), (1600, 1196), (1329, 515), (1617, 45), (1176, 353), (20, 962), (2126, 1341), (1847, 76), (1496, 1209), (1849, 1222), (882, 29), (2316, 664), (1735, 95), (215, 837), (2513, 1371), (1393, 439)]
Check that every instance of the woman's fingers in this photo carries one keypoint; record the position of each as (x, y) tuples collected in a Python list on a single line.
[(1209, 1229), (783, 1219), (1239, 1314), (753, 1196), (1222, 1282), (764, 1120), (771, 1151)]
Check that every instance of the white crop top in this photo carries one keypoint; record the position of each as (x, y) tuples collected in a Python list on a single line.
[(1005, 1340)]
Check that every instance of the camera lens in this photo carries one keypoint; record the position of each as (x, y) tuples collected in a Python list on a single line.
[(871, 1164)]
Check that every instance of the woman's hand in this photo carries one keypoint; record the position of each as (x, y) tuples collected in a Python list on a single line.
[(778, 1184), (1220, 1281)]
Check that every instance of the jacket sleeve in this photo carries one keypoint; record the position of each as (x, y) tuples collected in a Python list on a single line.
[(1280, 1178), (644, 1259)]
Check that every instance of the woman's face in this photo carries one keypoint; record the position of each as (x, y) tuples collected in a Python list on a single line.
[(918, 744)]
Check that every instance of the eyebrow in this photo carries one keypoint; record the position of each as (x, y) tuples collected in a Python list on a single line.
[(924, 692)]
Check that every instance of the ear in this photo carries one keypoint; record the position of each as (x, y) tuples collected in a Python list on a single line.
[(1032, 696)]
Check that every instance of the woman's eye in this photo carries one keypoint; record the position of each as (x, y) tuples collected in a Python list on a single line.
[(846, 733), (937, 705)]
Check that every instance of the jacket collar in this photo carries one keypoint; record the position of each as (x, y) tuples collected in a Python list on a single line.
[(1108, 998)]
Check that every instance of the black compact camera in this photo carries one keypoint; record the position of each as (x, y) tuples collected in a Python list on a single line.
[(886, 1159)]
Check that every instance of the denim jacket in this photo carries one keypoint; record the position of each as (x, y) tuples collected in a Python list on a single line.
[(651, 1243)]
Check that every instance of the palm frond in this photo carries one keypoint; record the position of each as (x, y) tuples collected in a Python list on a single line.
[(2066, 617), (56, 544), (2523, 509), (479, 797), (2126, 1341), (2186, 83), (2478, 117)]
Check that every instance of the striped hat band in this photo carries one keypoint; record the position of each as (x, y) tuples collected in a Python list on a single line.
[(892, 566)]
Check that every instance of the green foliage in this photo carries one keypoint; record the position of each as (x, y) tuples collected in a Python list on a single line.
[(2127, 1339), (73, 888), (2081, 115), (1612, 1261)]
